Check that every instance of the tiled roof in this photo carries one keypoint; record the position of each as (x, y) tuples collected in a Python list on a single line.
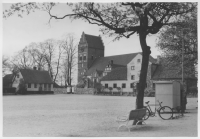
[(35, 76), (163, 72), (94, 41), (116, 74), (7, 79), (123, 60)]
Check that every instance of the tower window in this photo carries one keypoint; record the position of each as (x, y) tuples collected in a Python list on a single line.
[(84, 58), (132, 77), (80, 58), (132, 67)]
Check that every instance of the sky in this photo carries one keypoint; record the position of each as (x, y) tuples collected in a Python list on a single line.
[(19, 32)]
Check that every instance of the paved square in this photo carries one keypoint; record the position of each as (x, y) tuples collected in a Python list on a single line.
[(67, 115)]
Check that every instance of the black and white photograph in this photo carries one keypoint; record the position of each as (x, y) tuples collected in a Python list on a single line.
[(99, 68)]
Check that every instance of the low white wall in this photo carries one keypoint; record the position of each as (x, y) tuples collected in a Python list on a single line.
[(60, 90), (84, 91)]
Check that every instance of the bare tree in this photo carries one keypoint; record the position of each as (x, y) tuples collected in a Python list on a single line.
[(58, 61), (23, 59), (37, 55), (70, 51), (48, 50), (5, 64)]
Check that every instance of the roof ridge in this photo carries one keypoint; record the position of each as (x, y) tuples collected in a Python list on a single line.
[(123, 54), (92, 35)]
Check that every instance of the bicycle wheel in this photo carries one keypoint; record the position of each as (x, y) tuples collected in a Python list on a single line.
[(165, 113), (147, 114)]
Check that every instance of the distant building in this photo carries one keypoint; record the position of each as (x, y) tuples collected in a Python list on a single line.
[(36, 81), (127, 77), (162, 72), (111, 71)]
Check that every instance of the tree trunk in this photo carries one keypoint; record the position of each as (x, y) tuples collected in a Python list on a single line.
[(144, 69)]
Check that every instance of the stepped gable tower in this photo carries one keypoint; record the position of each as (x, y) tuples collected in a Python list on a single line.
[(89, 49)]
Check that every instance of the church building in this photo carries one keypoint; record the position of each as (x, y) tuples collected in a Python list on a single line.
[(111, 71)]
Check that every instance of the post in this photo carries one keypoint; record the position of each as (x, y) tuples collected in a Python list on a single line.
[(182, 92), (182, 55)]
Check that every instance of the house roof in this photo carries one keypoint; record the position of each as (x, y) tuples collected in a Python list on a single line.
[(163, 72), (116, 74), (35, 76), (7, 79), (122, 60), (94, 41)]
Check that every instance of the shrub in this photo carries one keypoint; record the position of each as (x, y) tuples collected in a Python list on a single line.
[(118, 88), (110, 88)]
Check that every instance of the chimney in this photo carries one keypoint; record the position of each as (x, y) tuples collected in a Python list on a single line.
[(111, 62), (158, 59), (153, 69), (34, 68)]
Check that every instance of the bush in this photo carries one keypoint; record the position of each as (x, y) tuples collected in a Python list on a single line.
[(118, 88), (110, 88)]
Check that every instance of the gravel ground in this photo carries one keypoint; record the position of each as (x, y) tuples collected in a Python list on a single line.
[(65, 115)]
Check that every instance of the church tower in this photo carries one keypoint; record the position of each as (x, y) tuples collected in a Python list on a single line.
[(89, 49)]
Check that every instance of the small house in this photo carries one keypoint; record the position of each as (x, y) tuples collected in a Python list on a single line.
[(36, 81)]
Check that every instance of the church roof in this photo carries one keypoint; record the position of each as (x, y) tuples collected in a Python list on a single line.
[(123, 60), (116, 74), (94, 41), (35, 76)]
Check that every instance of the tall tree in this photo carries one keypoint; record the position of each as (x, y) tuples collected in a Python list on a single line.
[(182, 34), (70, 50), (58, 61), (47, 55), (121, 20), (37, 54), (48, 50), (23, 59)]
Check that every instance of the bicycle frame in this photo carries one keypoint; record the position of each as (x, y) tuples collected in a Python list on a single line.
[(165, 112), (152, 114)]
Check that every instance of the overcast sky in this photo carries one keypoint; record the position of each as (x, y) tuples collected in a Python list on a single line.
[(19, 32)]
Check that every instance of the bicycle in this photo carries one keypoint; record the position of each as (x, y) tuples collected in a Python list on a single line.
[(165, 112)]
